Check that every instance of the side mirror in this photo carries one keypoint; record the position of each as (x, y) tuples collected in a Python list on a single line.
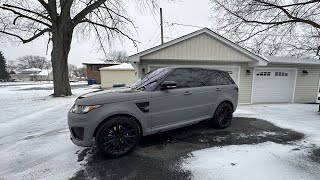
[(168, 85)]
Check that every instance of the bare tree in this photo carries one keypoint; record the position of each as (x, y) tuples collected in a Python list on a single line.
[(32, 61), (74, 71), (71, 70), (118, 56), (12, 66), (104, 20), (271, 27), (81, 72)]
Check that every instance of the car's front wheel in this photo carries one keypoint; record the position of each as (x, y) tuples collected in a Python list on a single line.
[(118, 136), (223, 116)]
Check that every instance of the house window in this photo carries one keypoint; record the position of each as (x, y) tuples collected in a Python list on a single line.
[(281, 74), (95, 67), (265, 73)]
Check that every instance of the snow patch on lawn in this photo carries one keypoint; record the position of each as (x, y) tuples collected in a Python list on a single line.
[(34, 135), (262, 161)]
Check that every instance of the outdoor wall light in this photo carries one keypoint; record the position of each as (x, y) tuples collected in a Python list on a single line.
[(248, 71), (305, 72), (143, 71)]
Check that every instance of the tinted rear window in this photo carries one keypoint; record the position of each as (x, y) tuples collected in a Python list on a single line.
[(197, 77)]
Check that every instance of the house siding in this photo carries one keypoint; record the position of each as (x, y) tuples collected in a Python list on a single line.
[(245, 82), (201, 47), (307, 85), (95, 74), (306, 88), (245, 86)]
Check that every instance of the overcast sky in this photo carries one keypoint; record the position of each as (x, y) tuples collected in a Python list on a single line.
[(184, 11)]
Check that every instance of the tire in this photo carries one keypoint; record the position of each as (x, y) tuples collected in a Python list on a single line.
[(222, 116), (118, 136)]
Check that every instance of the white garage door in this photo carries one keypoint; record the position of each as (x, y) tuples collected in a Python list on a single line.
[(273, 86), (232, 70)]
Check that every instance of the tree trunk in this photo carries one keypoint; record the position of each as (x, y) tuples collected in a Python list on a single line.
[(61, 42)]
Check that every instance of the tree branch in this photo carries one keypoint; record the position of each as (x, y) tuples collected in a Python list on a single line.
[(251, 35), (302, 3), (296, 19), (25, 16), (110, 28), (82, 14), (27, 10), (27, 40)]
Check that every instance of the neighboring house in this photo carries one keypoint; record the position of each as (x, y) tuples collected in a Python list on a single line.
[(33, 74), (260, 79), (93, 69), (118, 74)]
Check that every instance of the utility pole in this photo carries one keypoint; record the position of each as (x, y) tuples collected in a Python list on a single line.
[(161, 25)]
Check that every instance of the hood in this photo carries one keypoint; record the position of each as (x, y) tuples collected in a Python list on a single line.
[(111, 96)]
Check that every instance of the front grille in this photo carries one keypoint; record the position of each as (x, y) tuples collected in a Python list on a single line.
[(77, 132)]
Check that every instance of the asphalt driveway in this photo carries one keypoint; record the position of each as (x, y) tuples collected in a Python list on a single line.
[(158, 156)]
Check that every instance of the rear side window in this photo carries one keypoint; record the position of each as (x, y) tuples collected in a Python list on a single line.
[(188, 77), (213, 78), (223, 78)]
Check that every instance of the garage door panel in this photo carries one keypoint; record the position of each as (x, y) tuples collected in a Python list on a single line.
[(273, 86)]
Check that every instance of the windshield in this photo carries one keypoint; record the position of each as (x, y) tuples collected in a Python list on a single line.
[(149, 81)]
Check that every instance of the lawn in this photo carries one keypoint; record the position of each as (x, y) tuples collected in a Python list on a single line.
[(34, 136)]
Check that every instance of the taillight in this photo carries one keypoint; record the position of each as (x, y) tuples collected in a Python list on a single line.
[(237, 89)]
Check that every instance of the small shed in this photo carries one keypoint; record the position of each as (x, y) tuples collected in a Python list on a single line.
[(118, 74), (93, 69)]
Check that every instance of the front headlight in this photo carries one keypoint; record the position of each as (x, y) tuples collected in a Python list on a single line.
[(80, 109)]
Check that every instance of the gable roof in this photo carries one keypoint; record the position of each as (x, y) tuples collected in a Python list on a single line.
[(136, 57), (123, 66), (292, 60), (100, 62)]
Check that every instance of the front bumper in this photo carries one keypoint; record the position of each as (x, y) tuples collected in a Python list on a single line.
[(81, 129)]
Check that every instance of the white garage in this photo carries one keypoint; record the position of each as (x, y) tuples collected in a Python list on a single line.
[(118, 74), (273, 85), (260, 79)]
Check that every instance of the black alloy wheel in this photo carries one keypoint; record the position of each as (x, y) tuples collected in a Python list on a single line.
[(222, 116), (118, 136)]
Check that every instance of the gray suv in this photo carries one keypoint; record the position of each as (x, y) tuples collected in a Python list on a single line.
[(164, 99)]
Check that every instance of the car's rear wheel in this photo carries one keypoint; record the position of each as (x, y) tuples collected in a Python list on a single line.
[(118, 136), (223, 116)]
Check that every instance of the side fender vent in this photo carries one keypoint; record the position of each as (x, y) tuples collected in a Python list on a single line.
[(143, 106)]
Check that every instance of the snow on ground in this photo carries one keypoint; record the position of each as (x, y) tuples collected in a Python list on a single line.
[(34, 140), (262, 161), (266, 160), (303, 118), (34, 136)]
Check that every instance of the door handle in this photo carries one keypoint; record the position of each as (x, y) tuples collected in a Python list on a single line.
[(187, 93), (218, 89)]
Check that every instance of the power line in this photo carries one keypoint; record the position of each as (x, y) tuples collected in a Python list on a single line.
[(154, 33), (156, 40), (154, 18), (189, 25)]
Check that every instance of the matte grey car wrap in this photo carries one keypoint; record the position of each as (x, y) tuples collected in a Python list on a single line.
[(154, 109)]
